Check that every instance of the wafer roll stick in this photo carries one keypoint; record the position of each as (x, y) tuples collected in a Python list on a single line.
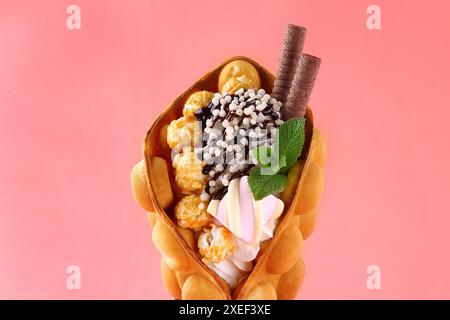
[(302, 85), (294, 39)]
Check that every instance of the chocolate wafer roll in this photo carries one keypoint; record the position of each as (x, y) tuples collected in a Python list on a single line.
[(294, 39), (302, 85)]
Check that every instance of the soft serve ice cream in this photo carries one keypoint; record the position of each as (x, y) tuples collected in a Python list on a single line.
[(246, 218), (249, 221)]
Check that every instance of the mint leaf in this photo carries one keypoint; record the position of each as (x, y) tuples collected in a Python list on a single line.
[(274, 162), (270, 162), (262, 154), (289, 141), (274, 166), (264, 185)]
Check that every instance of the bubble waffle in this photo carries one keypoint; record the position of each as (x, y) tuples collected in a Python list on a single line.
[(279, 269)]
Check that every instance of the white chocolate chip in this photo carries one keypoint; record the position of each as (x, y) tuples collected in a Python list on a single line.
[(249, 110), (260, 118), (229, 137), (204, 197), (261, 106)]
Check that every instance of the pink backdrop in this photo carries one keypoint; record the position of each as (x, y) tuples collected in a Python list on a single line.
[(74, 107)]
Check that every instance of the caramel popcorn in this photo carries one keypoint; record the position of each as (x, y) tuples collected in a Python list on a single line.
[(188, 173), (196, 101), (238, 68), (235, 83), (191, 213), (180, 132), (215, 243)]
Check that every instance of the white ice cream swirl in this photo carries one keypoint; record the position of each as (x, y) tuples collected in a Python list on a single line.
[(250, 221)]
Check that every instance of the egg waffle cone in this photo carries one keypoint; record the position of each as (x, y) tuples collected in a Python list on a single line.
[(279, 271)]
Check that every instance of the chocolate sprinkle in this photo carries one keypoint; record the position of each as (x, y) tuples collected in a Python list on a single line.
[(271, 116)]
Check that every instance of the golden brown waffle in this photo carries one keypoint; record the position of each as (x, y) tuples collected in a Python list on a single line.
[(279, 271)]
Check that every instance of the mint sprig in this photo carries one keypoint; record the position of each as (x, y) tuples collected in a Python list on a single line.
[(263, 185), (269, 161), (274, 162), (289, 141)]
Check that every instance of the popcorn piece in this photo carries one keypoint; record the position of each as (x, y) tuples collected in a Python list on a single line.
[(180, 132), (188, 173), (196, 101), (236, 83), (215, 243), (191, 213), (238, 68)]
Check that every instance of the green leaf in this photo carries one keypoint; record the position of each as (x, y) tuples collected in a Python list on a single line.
[(289, 141), (270, 163), (275, 162), (264, 185), (274, 166), (262, 154)]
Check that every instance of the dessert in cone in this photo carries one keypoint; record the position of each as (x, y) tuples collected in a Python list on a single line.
[(219, 237)]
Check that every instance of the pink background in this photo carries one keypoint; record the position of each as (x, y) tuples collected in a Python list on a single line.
[(74, 107)]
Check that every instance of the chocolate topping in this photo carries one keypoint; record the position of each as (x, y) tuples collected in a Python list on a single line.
[(251, 113)]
